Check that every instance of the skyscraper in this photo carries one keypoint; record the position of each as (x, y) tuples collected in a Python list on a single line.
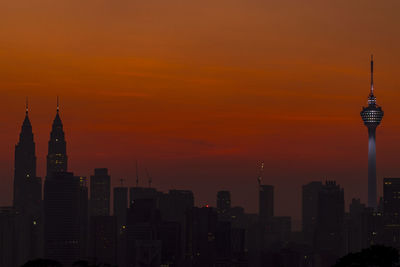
[(310, 209), (62, 198), (27, 187), (100, 193), (372, 116), (266, 202), (223, 202), (120, 212), (57, 153), (330, 219), (120, 207), (27, 196), (391, 211)]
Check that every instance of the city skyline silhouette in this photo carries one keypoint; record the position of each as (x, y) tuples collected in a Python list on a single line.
[(169, 128)]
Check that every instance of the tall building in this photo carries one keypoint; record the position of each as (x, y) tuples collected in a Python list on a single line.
[(173, 207), (310, 194), (372, 116), (120, 206), (103, 240), (57, 154), (391, 210), (391, 198), (201, 245), (174, 204), (136, 193), (27, 196), (266, 202), (330, 220), (8, 231), (100, 193), (120, 213), (223, 202), (143, 244), (83, 216), (62, 198), (27, 187)]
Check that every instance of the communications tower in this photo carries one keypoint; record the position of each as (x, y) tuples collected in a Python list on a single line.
[(372, 116)]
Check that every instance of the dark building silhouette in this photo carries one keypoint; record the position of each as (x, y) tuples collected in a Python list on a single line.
[(100, 193), (171, 243), (136, 193), (27, 196), (27, 187), (363, 227), (120, 206), (330, 221), (173, 207), (391, 209), (83, 216), (266, 202), (120, 213), (223, 202), (57, 154), (391, 199), (62, 217), (143, 243), (103, 240), (9, 224), (278, 230), (201, 246), (310, 195)]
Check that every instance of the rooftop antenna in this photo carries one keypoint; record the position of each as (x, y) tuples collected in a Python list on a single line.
[(259, 178), (137, 175), (26, 106), (122, 182), (149, 178), (372, 74)]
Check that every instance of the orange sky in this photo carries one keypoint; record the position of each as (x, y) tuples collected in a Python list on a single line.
[(201, 91)]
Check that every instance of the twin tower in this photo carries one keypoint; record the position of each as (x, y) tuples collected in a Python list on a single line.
[(26, 183)]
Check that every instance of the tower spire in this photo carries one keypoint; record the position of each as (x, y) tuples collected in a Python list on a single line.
[(26, 106), (372, 74), (58, 104)]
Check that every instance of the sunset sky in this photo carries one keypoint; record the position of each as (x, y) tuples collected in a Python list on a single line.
[(199, 92)]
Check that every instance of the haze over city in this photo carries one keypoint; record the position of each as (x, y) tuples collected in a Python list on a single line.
[(201, 92)]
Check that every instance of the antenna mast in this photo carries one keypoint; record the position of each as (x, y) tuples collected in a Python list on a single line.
[(372, 74), (58, 104), (149, 178), (260, 173), (137, 175), (26, 106)]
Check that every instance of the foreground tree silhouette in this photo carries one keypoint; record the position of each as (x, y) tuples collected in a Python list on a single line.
[(371, 257), (42, 263), (83, 263)]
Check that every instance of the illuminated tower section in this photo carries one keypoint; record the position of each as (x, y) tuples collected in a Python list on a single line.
[(57, 153), (372, 116)]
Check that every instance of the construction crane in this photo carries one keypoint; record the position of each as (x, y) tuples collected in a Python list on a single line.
[(260, 173), (149, 178)]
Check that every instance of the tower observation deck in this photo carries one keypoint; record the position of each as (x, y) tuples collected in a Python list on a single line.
[(372, 116)]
